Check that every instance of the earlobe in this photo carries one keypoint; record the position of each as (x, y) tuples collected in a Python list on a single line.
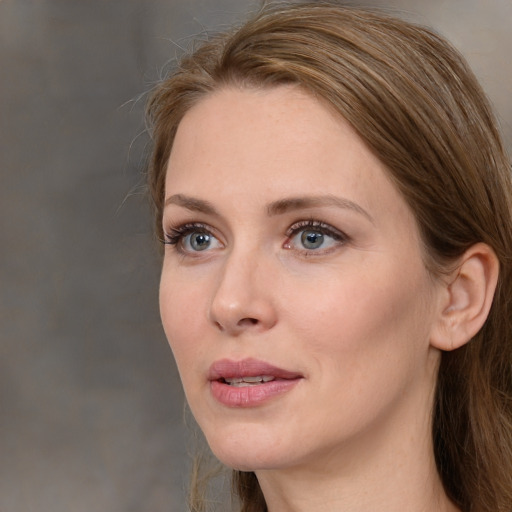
[(467, 298)]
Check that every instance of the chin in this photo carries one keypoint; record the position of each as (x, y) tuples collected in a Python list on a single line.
[(248, 461), (248, 451)]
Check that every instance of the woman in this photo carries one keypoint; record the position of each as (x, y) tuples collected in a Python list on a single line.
[(334, 200)]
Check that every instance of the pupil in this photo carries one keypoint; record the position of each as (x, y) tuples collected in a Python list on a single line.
[(200, 241), (312, 239)]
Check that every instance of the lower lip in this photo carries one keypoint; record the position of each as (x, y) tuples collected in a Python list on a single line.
[(250, 396)]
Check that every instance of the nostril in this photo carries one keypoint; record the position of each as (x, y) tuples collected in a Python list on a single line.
[(247, 321)]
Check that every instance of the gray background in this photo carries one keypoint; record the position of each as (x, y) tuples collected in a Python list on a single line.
[(91, 408)]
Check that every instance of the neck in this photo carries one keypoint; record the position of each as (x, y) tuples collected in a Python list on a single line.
[(387, 469), (391, 485)]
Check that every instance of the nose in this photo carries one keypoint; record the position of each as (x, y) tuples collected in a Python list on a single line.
[(243, 298)]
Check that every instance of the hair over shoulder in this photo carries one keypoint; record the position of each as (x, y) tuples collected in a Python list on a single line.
[(413, 100)]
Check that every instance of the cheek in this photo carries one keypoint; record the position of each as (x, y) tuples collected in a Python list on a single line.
[(181, 315), (373, 314), (366, 343)]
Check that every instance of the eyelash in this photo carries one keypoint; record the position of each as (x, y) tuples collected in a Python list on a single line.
[(176, 235), (314, 225)]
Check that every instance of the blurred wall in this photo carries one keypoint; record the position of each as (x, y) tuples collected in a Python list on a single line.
[(90, 401)]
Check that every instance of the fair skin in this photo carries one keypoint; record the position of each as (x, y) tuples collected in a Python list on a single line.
[(292, 256)]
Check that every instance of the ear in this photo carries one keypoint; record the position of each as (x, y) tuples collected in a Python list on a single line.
[(466, 298)]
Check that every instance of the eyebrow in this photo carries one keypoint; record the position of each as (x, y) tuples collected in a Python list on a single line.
[(302, 203), (192, 204), (275, 208)]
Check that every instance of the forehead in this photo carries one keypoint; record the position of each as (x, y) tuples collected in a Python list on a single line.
[(273, 126), (242, 145), (238, 117)]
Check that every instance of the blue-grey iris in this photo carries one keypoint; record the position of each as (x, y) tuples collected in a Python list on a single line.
[(200, 241), (312, 239)]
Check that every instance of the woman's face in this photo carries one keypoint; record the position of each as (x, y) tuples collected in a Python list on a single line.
[(293, 291)]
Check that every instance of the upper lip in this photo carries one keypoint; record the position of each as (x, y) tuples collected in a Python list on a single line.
[(229, 369)]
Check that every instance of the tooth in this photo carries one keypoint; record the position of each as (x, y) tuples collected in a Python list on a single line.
[(248, 381), (252, 379), (234, 380)]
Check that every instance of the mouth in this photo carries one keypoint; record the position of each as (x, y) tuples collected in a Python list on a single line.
[(241, 382), (248, 372), (249, 382)]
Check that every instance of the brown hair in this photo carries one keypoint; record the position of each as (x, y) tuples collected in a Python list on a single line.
[(413, 100)]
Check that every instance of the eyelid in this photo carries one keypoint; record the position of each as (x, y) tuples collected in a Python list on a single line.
[(172, 234), (338, 236), (175, 235), (320, 226)]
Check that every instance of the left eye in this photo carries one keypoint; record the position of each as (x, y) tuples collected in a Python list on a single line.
[(313, 237)]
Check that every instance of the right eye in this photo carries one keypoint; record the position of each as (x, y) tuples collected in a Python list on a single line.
[(198, 241), (191, 238)]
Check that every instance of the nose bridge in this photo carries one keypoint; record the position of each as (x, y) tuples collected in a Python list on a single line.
[(242, 298)]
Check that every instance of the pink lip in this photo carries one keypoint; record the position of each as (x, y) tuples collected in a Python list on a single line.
[(250, 396)]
